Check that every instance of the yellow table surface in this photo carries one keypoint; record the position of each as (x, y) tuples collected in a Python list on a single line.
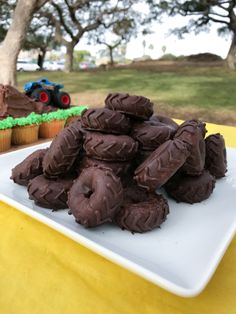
[(42, 271)]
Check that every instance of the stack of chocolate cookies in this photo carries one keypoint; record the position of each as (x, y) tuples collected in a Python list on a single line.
[(107, 165)]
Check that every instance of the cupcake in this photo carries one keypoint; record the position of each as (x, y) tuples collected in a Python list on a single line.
[(52, 123), (26, 129), (74, 113), (5, 134)]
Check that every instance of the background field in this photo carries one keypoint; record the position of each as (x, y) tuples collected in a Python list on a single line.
[(208, 93)]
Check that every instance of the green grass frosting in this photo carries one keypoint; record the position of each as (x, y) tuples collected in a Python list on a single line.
[(75, 111), (6, 123), (31, 119), (62, 114)]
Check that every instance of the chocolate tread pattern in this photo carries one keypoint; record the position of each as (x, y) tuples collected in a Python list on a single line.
[(95, 197), (151, 136), (161, 164), (119, 168), (136, 106), (192, 132), (49, 193), (29, 168), (165, 120), (110, 147), (63, 151), (143, 216), (216, 161), (105, 120), (190, 189)]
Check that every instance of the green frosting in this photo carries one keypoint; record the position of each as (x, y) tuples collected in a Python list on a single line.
[(33, 118), (62, 114), (7, 123), (75, 111)]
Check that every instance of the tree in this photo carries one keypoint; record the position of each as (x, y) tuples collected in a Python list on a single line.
[(40, 36), (14, 38), (80, 56), (72, 19), (121, 33), (203, 13)]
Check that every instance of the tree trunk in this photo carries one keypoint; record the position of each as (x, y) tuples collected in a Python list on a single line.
[(14, 39), (41, 57), (111, 56), (232, 54), (69, 57)]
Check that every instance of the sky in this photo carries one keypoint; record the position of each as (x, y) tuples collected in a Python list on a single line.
[(191, 44)]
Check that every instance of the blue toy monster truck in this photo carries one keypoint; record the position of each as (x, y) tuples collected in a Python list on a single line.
[(48, 93)]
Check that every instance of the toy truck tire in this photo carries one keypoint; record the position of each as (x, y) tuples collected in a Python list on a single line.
[(42, 95), (62, 100)]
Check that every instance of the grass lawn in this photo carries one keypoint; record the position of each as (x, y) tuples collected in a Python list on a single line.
[(207, 93)]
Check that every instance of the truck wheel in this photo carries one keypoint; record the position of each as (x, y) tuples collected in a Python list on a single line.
[(42, 95), (62, 100)]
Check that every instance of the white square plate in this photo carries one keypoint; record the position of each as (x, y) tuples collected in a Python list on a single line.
[(180, 257)]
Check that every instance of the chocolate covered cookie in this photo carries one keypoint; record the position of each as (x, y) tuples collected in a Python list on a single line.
[(95, 197), (50, 193), (165, 120), (192, 132), (135, 106), (151, 134), (63, 151), (110, 147), (105, 120), (216, 161), (119, 168), (189, 189), (143, 216), (162, 164), (29, 168)]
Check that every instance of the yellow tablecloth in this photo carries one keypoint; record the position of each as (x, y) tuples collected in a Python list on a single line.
[(43, 272)]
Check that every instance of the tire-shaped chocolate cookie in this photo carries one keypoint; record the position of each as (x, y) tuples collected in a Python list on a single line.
[(29, 168), (192, 132), (216, 161), (119, 168), (165, 120), (95, 196), (50, 193), (160, 166), (110, 147), (135, 106), (63, 151), (151, 134), (143, 216), (105, 120), (189, 189)]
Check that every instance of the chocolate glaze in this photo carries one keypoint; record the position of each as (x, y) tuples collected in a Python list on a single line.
[(63, 151), (119, 168), (143, 216), (95, 197), (165, 120), (151, 134), (16, 104), (136, 106), (105, 120), (29, 168), (50, 193), (110, 147), (189, 189), (162, 164), (192, 132), (216, 161)]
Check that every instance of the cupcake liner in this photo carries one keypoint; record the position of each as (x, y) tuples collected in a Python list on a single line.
[(51, 128), (5, 139), (27, 134)]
